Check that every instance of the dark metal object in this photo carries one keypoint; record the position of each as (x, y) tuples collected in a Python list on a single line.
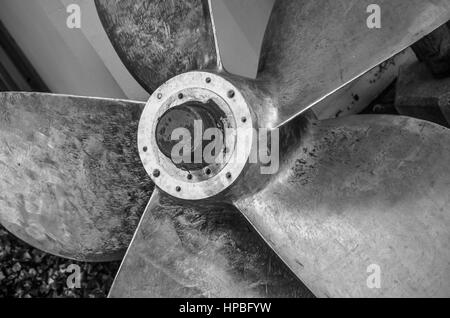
[(71, 181), (158, 39), (185, 116), (434, 50), (187, 250), (419, 94)]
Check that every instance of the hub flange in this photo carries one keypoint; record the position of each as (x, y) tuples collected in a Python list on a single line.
[(183, 100)]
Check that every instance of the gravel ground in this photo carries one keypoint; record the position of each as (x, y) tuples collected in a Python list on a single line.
[(26, 272)]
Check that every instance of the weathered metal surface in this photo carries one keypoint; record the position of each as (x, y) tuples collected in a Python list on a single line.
[(358, 191), (359, 94), (71, 181), (419, 94), (158, 39), (312, 50), (434, 50), (182, 250)]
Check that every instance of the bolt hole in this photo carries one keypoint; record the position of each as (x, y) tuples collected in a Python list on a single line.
[(244, 119), (189, 176), (228, 175), (231, 94), (180, 96), (145, 149), (208, 171), (156, 173), (178, 189), (208, 80), (159, 96)]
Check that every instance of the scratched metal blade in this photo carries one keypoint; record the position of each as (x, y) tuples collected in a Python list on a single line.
[(158, 39), (358, 194), (71, 181), (313, 48), (187, 251)]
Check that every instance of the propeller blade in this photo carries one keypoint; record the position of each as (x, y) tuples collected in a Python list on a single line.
[(71, 180), (158, 39), (311, 50), (187, 251), (360, 194)]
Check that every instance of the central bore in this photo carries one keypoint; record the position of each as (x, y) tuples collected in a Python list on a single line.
[(185, 116)]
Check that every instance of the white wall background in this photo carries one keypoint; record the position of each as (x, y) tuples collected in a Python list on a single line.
[(70, 61)]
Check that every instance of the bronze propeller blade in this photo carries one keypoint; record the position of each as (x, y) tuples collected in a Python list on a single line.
[(186, 250), (158, 39), (357, 192), (71, 181), (313, 48)]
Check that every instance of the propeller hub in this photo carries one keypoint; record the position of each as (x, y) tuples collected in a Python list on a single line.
[(194, 118), (195, 135)]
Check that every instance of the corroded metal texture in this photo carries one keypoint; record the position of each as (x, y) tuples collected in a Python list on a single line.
[(182, 250), (419, 94), (356, 96), (312, 50), (362, 191), (158, 39), (71, 181)]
